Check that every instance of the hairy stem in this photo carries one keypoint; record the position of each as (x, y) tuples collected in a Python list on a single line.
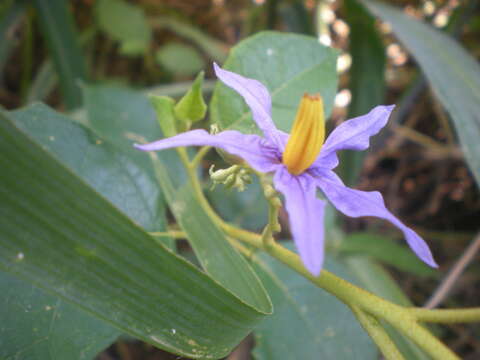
[(403, 319), (446, 316), (378, 334)]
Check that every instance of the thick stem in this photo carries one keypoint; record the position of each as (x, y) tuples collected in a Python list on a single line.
[(398, 316)]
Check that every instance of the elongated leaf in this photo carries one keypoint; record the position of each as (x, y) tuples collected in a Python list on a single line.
[(211, 246), (453, 73), (110, 111), (308, 323), (40, 326), (115, 172), (384, 249), (59, 234), (213, 47), (288, 65), (366, 80), (10, 13), (59, 31)]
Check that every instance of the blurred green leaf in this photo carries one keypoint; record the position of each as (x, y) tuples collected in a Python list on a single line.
[(213, 47), (385, 250), (59, 234), (191, 106), (296, 17), (40, 326), (366, 81), (308, 323), (59, 31), (126, 23), (248, 208), (374, 278), (180, 59), (288, 65), (43, 84), (453, 74)]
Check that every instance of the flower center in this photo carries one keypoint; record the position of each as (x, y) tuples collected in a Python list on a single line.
[(307, 135)]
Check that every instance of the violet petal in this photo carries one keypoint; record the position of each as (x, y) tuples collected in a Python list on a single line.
[(258, 100), (255, 150), (353, 134), (305, 213), (356, 203)]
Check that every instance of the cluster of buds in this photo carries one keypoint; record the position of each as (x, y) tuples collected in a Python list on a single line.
[(235, 176)]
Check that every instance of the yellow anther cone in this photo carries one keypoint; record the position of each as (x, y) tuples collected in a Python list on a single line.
[(307, 135)]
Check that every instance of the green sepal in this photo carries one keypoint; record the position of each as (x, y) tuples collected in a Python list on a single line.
[(191, 107), (164, 108)]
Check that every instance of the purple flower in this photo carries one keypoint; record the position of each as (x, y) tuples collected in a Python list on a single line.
[(301, 164)]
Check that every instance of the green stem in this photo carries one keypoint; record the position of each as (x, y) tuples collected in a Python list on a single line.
[(398, 316), (197, 188), (199, 156), (401, 318), (446, 316), (378, 334)]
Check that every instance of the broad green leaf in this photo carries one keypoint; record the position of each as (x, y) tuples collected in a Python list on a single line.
[(288, 65), (192, 107), (384, 249), (308, 323), (453, 74), (112, 112), (36, 325), (60, 235), (180, 59), (375, 279), (115, 173), (366, 78), (59, 31), (125, 23)]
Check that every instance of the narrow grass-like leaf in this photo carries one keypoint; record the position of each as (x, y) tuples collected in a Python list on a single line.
[(385, 250), (453, 74), (366, 80), (11, 13), (59, 31), (59, 234), (214, 48)]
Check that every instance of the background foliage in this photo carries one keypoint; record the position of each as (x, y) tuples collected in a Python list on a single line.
[(81, 276)]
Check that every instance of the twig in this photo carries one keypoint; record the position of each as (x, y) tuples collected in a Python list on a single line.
[(446, 286)]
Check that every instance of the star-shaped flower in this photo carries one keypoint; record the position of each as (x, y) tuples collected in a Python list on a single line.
[(302, 163)]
